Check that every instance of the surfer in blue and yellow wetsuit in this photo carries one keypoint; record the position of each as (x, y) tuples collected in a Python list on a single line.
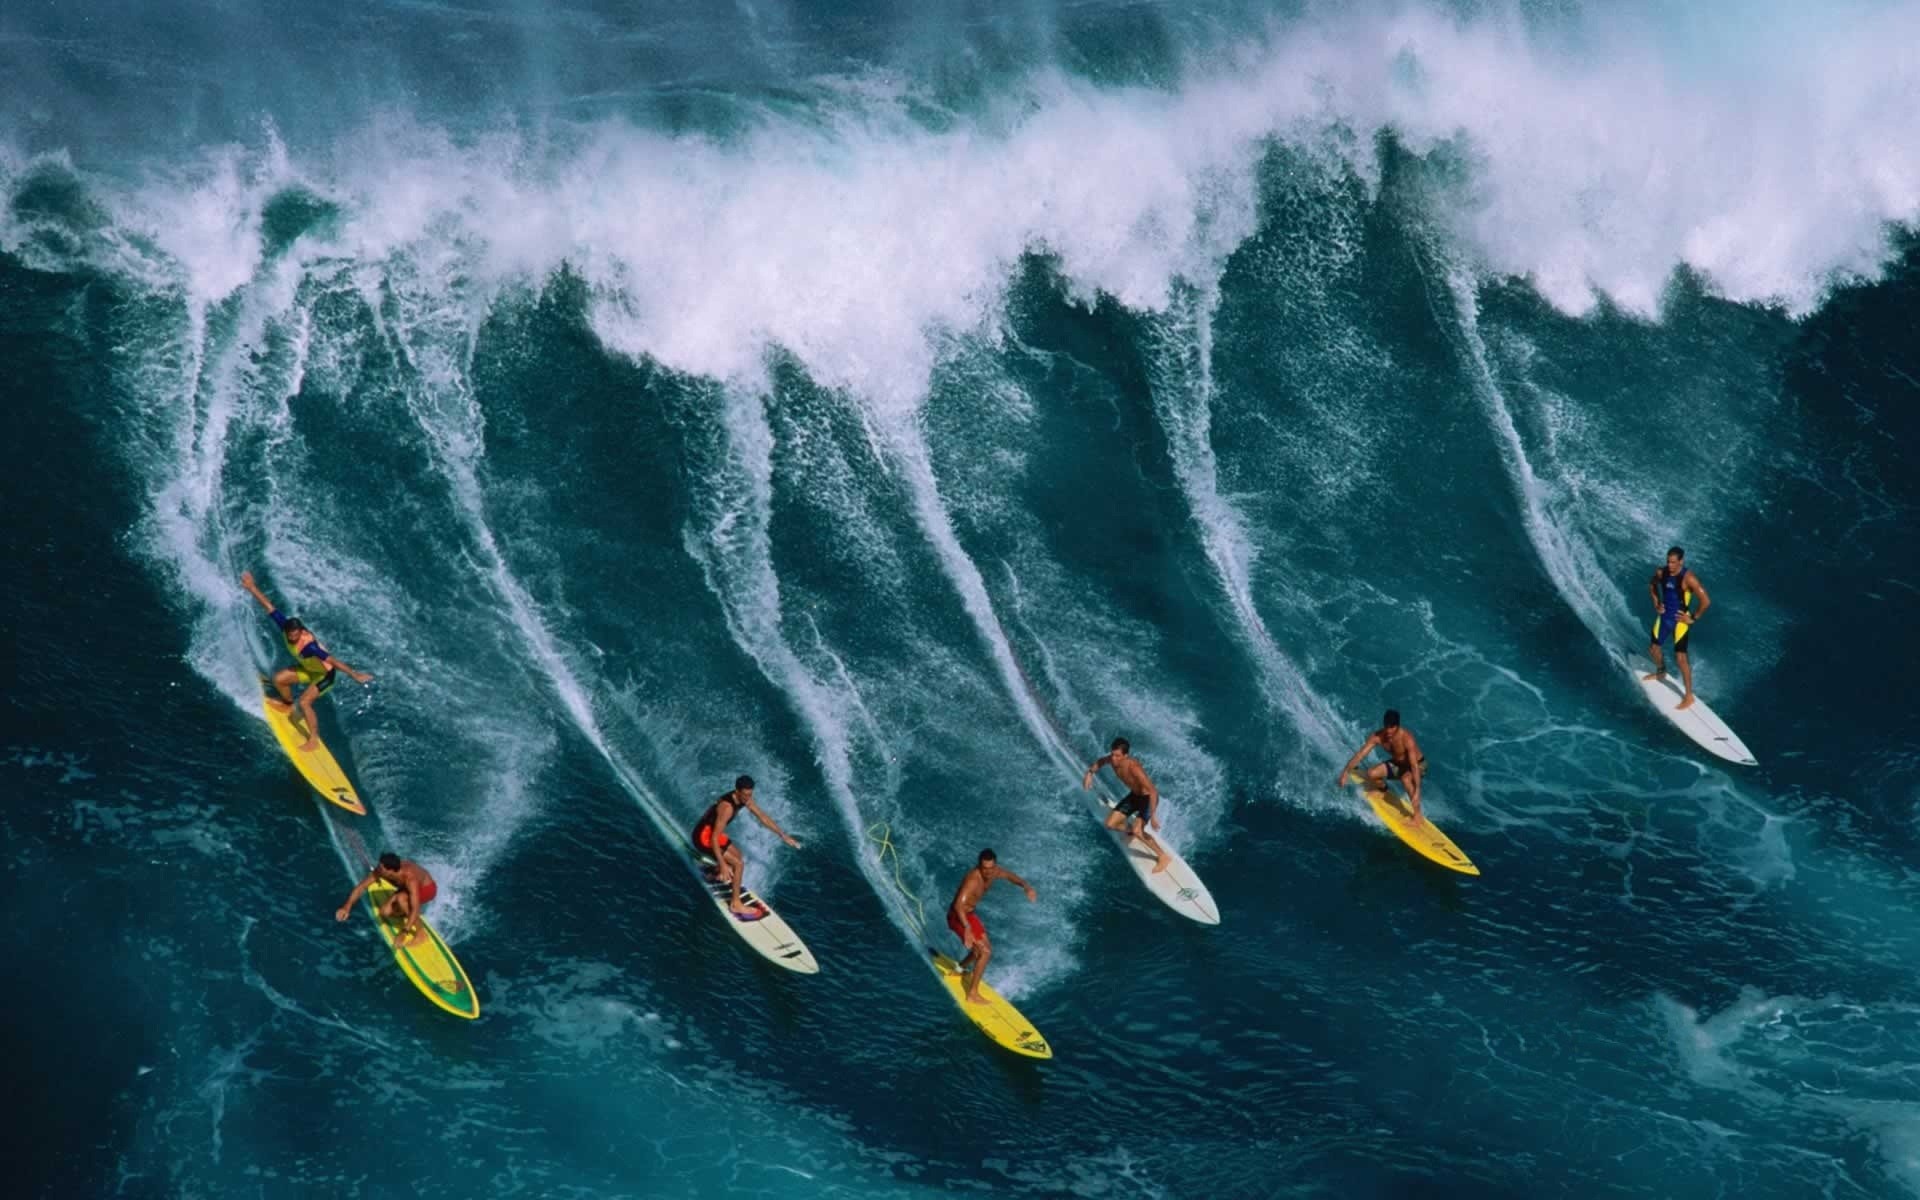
[(1405, 763), (710, 839), (313, 666), (1673, 588)]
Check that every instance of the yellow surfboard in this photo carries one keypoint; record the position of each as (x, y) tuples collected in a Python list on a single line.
[(996, 1018), (1420, 833), (317, 765), (428, 962)]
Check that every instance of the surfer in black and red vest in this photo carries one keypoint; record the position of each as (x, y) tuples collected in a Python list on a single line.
[(710, 838), (313, 666), (1405, 763), (1673, 588)]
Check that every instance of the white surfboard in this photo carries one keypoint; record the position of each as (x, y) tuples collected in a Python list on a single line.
[(770, 935), (1696, 720), (1177, 886)]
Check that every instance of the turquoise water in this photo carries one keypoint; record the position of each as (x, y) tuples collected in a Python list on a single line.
[(894, 404)]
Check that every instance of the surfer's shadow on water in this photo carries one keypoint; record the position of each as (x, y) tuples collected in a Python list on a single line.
[(1381, 875)]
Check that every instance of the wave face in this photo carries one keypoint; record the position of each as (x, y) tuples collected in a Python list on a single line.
[(897, 405)]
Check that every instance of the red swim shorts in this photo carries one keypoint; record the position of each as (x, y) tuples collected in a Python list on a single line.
[(973, 923), (428, 891), (703, 838)]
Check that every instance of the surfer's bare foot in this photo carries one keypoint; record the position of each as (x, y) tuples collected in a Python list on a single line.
[(1160, 866), (309, 744), (975, 999), (744, 910), (1652, 677), (1685, 703)]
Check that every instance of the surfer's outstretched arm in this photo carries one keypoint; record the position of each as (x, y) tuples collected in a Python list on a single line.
[(1086, 781), (1366, 747), (357, 676), (253, 589), (768, 821), (359, 889), (1015, 880)]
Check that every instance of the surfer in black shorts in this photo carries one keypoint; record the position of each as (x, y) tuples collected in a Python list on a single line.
[(1141, 805), (710, 837), (1405, 763), (313, 666)]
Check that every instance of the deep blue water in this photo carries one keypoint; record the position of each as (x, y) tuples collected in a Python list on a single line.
[(873, 399)]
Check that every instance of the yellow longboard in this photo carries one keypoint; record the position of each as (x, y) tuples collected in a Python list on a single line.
[(429, 962), (1423, 835), (317, 765), (997, 1019)]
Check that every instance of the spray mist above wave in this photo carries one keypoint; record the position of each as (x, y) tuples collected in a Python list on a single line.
[(1593, 159)]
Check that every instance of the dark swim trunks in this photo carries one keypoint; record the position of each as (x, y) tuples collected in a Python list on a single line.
[(1396, 769), (1684, 640), (1134, 804)]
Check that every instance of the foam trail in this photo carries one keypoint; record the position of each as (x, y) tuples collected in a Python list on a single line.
[(908, 449), (735, 555), (434, 346), (1182, 386), (1565, 556)]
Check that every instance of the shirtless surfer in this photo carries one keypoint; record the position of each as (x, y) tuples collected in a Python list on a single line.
[(1405, 763), (710, 836), (964, 921), (1140, 806), (1673, 588), (313, 666), (414, 889)]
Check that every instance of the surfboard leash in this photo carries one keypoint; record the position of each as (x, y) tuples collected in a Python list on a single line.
[(881, 833)]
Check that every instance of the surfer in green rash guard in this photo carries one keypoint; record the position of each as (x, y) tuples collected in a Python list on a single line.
[(313, 665), (1405, 763), (1673, 588)]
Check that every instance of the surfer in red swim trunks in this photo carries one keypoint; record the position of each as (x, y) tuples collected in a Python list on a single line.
[(966, 923), (710, 839), (414, 890)]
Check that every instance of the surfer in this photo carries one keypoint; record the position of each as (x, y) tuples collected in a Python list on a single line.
[(966, 923), (1405, 763), (1673, 588), (313, 666), (710, 836), (1140, 806), (414, 889)]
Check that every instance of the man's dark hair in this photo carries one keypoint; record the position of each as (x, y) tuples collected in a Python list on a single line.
[(1122, 745), (1392, 719), (743, 784), (390, 861), (987, 856), (1676, 552), (293, 625)]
